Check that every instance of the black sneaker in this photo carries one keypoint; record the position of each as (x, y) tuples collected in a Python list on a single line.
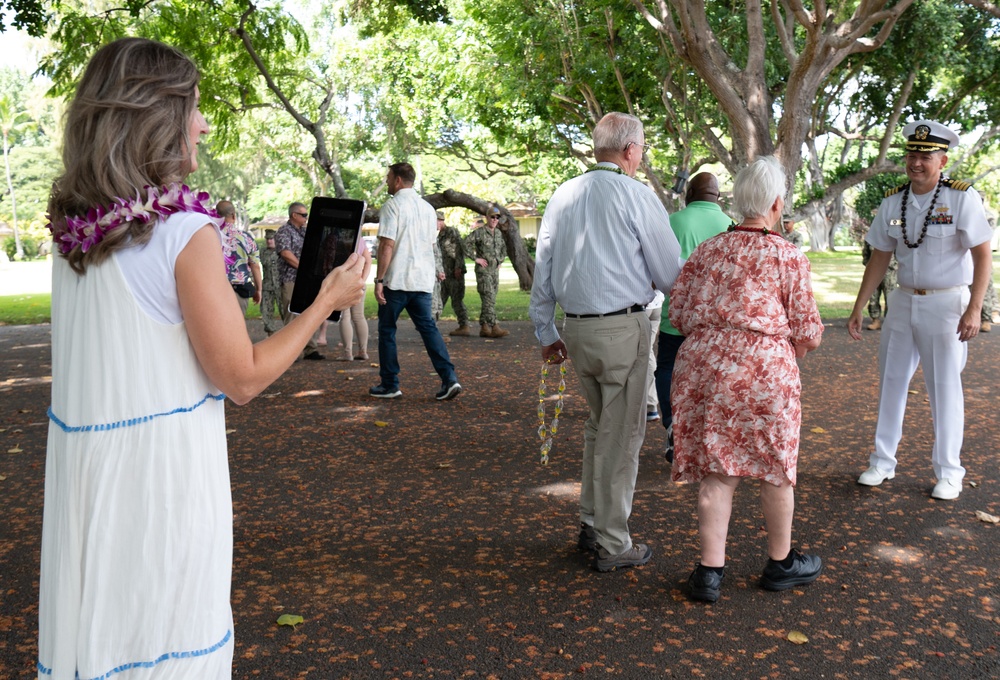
[(314, 356), (669, 453), (704, 584), (588, 538), (448, 392), (383, 392), (805, 569)]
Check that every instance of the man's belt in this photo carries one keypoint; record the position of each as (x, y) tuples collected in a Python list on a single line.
[(633, 309), (931, 291)]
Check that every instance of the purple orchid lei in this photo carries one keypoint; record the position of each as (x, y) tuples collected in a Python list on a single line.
[(88, 231)]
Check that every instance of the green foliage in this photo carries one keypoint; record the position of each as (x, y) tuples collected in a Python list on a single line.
[(28, 15), (873, 191), (272, 197), (33, 169), (28, 245)]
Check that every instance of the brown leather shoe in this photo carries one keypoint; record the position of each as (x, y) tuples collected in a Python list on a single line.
[(875, 324), (485, 331), (462, 331), (985, 327), (499, 332)]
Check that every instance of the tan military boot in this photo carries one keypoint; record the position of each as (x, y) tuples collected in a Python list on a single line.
[(875, 324), (485, 331), (462, 331), (985, 327), (499, 332)]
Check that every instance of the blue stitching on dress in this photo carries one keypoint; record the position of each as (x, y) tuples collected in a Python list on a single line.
[(150, 664), (131, 421)]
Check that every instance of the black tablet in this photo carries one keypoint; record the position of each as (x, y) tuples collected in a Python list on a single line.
[(332, 234)]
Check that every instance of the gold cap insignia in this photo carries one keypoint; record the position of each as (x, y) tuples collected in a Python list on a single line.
[(921, 132)]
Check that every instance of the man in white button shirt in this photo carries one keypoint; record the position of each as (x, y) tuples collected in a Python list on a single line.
[(938, 230), (407, 235), (605, 238)]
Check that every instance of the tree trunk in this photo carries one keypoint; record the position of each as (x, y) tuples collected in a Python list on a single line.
[(819, 232), (522, 262), (18, 248)]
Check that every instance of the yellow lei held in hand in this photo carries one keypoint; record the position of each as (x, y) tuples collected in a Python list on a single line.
[(547, 433)]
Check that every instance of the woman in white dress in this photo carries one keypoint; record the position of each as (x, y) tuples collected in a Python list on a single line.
[(147, 340)]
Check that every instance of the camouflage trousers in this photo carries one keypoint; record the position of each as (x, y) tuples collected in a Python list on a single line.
[(455, 289), (488, 283), (989, 301), (436, 304), (888, 284), (270, 302)]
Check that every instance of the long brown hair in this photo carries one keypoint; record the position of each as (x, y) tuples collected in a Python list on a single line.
[(126, 129)]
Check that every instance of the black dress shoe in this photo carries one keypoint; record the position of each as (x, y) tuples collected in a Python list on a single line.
[(588, 538), (314, 356), (805, 569), (704, 584)]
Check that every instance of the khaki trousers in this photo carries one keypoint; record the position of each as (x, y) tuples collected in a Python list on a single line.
[(611, 358)]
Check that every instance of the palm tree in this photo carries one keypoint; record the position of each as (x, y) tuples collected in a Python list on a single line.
[(12, 121)]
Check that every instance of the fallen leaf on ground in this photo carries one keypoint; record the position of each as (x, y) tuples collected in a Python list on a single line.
[(818, 430), (911, 391), (797, 637), (987, 517), (973, 484), (230, 431), (380, 423), (290, 620), (16, 449)]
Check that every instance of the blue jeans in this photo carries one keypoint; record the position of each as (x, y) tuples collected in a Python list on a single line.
[(665, 355), (418, 306)]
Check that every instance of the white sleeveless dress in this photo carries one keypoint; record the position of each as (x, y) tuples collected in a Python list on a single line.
[(137, 527)]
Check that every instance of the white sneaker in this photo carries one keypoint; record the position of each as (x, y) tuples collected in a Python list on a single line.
[(873, 476), (947, 489)]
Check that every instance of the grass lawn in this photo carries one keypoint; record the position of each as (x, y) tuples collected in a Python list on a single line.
[(836, 277), (26, 309)]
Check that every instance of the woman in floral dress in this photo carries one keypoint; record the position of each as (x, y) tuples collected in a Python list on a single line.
[(744, 302)]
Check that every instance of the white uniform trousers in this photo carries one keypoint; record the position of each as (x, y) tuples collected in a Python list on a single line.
[(923, 329)]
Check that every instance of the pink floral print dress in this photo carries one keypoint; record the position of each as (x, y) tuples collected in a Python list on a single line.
[(742, 300)]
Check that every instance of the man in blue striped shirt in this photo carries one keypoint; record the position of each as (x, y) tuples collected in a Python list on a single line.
[(605, 240)]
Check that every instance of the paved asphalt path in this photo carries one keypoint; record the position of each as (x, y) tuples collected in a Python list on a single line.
[(424, 540)]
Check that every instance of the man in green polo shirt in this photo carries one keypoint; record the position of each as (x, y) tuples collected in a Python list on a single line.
[(700, 220)]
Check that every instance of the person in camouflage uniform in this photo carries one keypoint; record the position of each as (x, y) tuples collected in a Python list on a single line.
[(791, 234), (453, 263), (888, 284), (436, 303), (270, 294), (486, 246), (988, 316)]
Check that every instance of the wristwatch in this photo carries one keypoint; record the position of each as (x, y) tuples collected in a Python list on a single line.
[(379, 280)]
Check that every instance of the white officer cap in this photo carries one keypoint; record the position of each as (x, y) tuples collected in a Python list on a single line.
[(928, 135)]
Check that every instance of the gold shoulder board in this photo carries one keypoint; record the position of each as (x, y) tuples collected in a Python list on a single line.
[(957, 184), (894, 190)]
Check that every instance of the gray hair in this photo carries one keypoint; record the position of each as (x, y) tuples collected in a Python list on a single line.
[(757, 186), (292, 207), (615, 130)]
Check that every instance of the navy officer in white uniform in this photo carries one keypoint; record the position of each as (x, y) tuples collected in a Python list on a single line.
[(938, 230)]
